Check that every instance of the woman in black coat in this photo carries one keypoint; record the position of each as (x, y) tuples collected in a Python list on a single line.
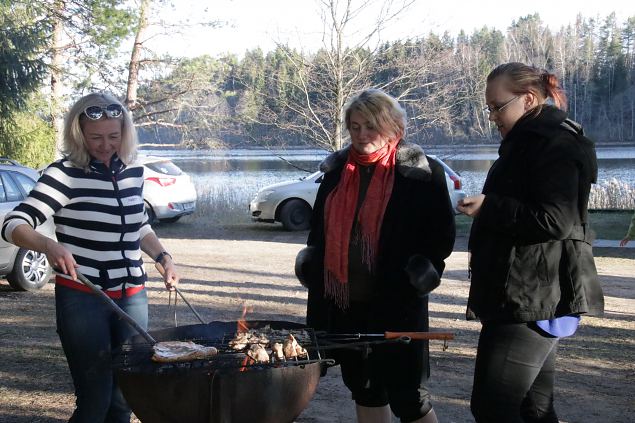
[(532, 269), (381, 227)]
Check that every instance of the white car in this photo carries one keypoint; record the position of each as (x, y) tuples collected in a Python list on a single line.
[(291, 202), (168, 192), (25, 270)]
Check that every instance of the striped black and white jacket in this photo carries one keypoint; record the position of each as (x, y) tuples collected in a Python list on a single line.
[(99, 217)]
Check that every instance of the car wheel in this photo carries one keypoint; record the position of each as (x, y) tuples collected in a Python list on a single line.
[(31, 271), (171, 219), (152, 218), (295, 215)]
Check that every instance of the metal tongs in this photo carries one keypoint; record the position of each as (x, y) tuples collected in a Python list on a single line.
[(161, 270)]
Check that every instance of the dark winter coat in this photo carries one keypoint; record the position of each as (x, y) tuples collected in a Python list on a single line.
[(418, 229), (530, 243)]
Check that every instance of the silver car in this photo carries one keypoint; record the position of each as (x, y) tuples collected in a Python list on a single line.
[(291, 202), (25, 270), (169, 193)]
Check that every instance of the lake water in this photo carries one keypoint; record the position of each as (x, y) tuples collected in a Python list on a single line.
[(239, 174)]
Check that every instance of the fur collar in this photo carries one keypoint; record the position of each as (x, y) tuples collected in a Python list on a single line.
[(411, 161)]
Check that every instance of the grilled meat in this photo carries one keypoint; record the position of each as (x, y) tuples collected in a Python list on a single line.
[(258, 353), (277, 352), (243, 339), (171, 351), (292, 349)]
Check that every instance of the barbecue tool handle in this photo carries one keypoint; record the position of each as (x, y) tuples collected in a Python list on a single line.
[(420, 335), (161, 270), (122, 314), (388, 335)]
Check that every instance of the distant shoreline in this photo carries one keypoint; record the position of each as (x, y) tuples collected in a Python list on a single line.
[(175, 146)]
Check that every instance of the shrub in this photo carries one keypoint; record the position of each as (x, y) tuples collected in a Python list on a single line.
[(29, 139)]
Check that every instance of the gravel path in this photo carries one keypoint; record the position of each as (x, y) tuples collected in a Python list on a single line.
[(224, 270)]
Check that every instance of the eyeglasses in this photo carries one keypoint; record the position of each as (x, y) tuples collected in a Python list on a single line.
[(113, 111), (496, 109)]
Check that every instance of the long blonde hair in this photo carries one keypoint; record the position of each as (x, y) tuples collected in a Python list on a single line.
[(74, 143)]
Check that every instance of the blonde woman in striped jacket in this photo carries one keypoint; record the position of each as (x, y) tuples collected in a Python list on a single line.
[(94, 195)]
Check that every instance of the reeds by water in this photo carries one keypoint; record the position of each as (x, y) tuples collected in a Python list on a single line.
[(228, 204), (612, 195)]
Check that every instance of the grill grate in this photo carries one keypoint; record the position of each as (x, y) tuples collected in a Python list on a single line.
[(137, 357)]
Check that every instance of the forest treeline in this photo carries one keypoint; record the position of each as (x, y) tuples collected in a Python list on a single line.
[(52, 52), (270, 98)]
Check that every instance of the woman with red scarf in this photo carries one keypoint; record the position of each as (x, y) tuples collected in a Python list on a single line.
[(382, 225)]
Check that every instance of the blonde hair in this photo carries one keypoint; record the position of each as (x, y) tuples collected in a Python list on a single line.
[(74, 143), (381, 110)]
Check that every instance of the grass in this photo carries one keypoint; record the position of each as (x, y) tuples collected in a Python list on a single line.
[(611, 224), (227, 206)]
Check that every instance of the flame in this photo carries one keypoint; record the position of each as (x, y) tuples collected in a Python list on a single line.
[(247, 361), (242, 326)]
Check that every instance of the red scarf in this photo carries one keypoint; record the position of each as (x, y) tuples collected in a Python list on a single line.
[(340, 211)]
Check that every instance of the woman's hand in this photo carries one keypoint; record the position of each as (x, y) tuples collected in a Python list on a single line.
[(168, 271), (624, 242), (60, 258), (470, 206)]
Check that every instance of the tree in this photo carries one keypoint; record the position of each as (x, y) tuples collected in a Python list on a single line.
[(317, 85), (22, 68), (169, 108), (475, 57), (529, 41), (22, 39)]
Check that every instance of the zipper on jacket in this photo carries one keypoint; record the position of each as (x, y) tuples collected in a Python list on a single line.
[(123, 223)]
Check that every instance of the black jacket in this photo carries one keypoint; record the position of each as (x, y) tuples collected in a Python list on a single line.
[(530, 243), (418, 226)]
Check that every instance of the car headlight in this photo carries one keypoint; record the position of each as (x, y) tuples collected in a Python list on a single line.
[(263, 195)]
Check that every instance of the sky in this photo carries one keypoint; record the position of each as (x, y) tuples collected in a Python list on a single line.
[(259, 23)]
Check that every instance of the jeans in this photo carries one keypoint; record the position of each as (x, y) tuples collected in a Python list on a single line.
[(89, 331), (514, 375)]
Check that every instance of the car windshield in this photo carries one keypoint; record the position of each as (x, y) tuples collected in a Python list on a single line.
[(311, 176), (165, 167)]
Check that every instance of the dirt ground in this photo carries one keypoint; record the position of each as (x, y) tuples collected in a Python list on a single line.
[(225, 269)]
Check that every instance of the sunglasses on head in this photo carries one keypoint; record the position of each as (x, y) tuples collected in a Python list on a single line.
[(96, 112)]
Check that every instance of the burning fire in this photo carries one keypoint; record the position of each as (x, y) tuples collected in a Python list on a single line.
[(247, 361), (243, 327), (242, 322)]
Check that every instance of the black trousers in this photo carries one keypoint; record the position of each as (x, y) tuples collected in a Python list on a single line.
[(388, 374), (514, 375)]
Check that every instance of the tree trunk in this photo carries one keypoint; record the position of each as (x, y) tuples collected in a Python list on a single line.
[(56, 84), (339, 94), (135, 57)]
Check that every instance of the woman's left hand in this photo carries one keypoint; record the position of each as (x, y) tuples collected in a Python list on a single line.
[(470, 206)]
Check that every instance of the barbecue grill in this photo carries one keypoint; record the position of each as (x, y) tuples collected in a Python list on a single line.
[(230, 387), (224, 388)]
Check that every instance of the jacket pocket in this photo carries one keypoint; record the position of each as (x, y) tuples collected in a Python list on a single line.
[(533, 283), (528, 266)]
